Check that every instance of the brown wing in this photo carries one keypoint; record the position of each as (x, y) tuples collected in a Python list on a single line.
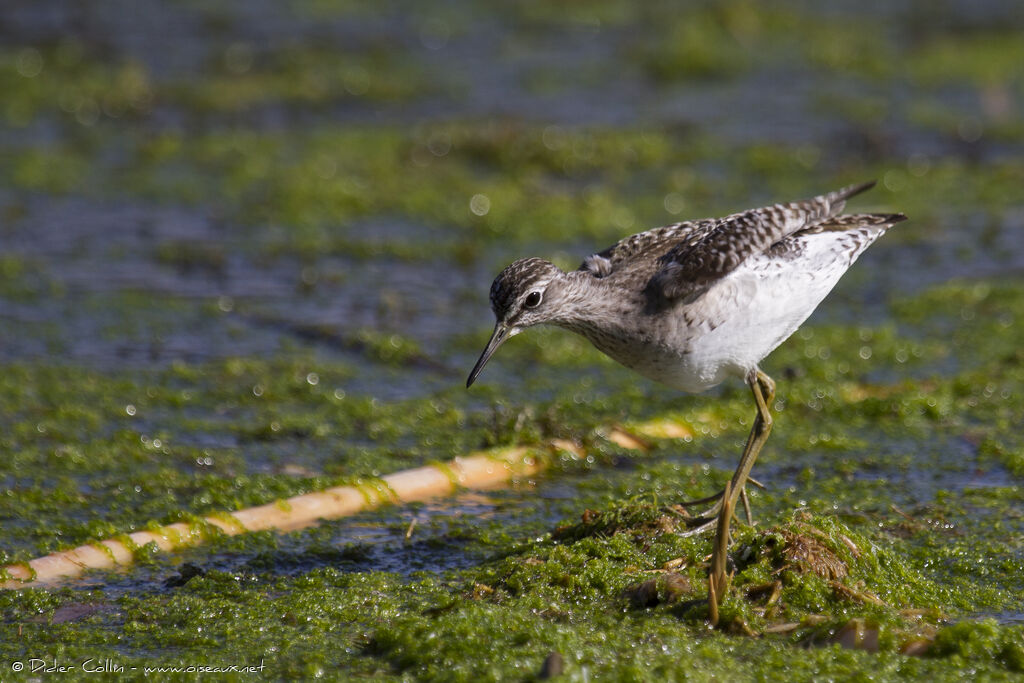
[(692, 265), (656, 240), (859, 227)]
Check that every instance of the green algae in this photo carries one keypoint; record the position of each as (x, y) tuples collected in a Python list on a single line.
[(266, 179), (709, 44), (970, 641), (836, 412), (64, 80), (299, 75), (532, 599), (900, 437), (533, 602), (69, 79), (229, 520), (375, 491), (987, 59)]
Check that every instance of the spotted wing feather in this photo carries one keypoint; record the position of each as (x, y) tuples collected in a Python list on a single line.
[(691, 265), (654, 241), (859, 229)]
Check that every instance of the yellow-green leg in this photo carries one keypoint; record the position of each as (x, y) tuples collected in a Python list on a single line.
[(763, 388)]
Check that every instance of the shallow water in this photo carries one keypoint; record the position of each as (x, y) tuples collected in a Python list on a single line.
[(245, 232)]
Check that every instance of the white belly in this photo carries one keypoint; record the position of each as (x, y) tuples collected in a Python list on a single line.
[(740, 320)]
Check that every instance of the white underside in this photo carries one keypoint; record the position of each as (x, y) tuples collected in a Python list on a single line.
[(757, 307)]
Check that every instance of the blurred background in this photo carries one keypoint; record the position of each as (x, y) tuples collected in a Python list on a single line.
[(191, 180), (245, 247)]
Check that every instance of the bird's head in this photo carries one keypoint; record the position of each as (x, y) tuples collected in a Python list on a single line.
[(521, 296)]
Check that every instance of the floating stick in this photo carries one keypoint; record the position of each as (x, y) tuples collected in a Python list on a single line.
[(480, 470)]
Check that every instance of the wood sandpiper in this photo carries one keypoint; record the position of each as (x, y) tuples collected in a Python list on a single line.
[(693, 303)]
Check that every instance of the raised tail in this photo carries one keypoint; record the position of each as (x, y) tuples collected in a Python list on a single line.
[(837, 200)]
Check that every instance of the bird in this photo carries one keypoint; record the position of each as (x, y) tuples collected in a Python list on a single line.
[(692, 304)]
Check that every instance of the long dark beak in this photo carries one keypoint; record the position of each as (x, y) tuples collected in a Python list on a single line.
[(498, 337)]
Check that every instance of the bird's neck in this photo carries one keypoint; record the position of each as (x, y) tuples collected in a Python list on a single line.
[(586, 303)]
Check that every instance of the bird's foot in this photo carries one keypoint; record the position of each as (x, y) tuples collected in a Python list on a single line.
[(709, 518), (706, 520)]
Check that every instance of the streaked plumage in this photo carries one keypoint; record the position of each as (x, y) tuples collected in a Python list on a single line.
[(692, 303)]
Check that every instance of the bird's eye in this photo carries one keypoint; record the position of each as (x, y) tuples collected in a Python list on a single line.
[(532, 300)]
